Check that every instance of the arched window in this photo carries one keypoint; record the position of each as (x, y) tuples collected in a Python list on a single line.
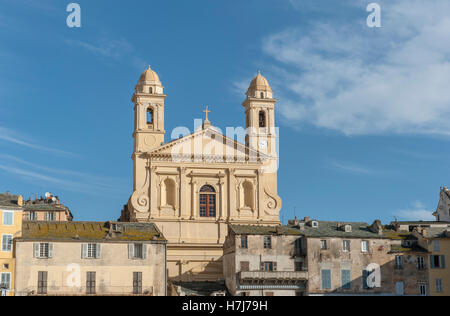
[(207, 201), (248, 194), (262, 119), (262, 95), (150, 90), (149, 116)]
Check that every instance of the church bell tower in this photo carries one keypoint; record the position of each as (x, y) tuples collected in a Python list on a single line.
[(260, 117), (149, 130)]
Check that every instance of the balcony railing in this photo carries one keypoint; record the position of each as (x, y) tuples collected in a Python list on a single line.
[(274, 275)]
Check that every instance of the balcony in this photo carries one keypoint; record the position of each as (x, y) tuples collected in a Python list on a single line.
[(277, 276)]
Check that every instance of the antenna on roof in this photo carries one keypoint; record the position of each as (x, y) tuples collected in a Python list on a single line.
[(295, 212)]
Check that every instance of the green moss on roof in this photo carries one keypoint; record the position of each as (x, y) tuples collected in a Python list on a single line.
[(402, 249), (94, 231)]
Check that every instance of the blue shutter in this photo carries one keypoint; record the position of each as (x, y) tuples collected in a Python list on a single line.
[(346, 279), (365, 275), (326, 279), (442, 262), (432, 262)]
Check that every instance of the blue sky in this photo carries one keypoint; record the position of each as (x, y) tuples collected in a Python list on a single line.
[(363, 112)]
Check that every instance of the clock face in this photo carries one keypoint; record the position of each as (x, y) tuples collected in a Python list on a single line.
[(263, 144)]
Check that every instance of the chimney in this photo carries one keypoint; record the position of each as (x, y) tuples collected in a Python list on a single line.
[(376, 227), (20, 200), (307, 219), (279, 230)]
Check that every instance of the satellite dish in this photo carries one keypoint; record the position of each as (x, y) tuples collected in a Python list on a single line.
[(53, 199), (48, 194)]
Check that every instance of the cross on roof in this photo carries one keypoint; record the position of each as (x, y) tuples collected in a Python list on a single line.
[(206, 111)]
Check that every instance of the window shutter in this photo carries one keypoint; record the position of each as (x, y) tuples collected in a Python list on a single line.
[(36, 250), (262, 266), (144, 251), (432, 262), (45, 216), (443, 262), (50, 250), (83, 251), (98, 252), (130, 251), (274, 266)]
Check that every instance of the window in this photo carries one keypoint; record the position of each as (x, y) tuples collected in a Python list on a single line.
[(262, 119), (437, 262), (6, 266), (346, 245), (137, 251), (207, 201), (439, 285), (150, 90), (7, 241), (326, 279), (43, 250), (32, 216), (298, 247), (5, 282), (268, 266), (137, 282), (42, 282), (423, 289), (436, 246), (245, 266), (346, 279), (51, 216), (267, 242), (298, 266), (323, 245), (90, 283), (244, 242), (420, 263), (8, 218), (91, 251), (262, 95), (365, 246), (150, 116), (398, 262)]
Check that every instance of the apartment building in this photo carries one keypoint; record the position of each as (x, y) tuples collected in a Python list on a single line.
[(10, 229), (90, 258), (261, 261), (47, 208)]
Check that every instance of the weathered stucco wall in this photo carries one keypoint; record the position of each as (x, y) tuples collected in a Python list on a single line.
[(114, 270)]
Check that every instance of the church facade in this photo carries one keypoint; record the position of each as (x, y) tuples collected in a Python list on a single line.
[(192, 188)]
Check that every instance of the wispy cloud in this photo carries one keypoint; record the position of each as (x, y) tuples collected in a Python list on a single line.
[(416, 212), (67, 179), (357, 80), (352, 168), (12, 136), (116, 49)]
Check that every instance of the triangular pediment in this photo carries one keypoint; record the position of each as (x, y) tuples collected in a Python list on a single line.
[(207, 145)]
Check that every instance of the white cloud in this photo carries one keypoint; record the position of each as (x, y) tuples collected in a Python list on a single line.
[(358, 80), (417, 212), (352, 168), (116, 49), (63, 178), (12, 136)]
